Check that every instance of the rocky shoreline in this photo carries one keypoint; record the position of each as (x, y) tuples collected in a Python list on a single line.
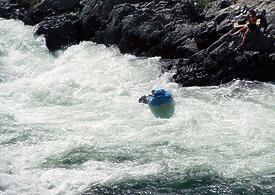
[(194, 42)]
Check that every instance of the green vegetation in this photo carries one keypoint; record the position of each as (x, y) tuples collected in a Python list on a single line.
[(203, 3)]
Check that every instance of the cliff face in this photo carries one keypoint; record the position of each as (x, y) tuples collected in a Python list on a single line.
[(196, 43)]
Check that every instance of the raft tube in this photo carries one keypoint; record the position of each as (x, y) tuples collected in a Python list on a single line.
[(161, 103)]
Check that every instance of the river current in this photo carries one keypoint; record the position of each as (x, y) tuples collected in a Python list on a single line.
[(70, 123)]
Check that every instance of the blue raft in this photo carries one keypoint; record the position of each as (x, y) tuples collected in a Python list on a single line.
[(161, 103)]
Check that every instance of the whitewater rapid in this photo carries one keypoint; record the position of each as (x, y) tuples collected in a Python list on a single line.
[(70, 123)]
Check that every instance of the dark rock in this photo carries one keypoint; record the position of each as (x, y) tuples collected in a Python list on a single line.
[(60, 31), (61, 5), (272, 57), (256, 41), (141, 34), (10, 9), (144, 28), (224, 27), (220, 63), (110, 4), (28, 3), (37, 14), (216, 7), (268, 6), (92, 18), (206, 34), (48, 8), (271, 21)]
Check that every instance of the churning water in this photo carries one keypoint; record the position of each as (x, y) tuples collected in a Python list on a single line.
[(70, 124)]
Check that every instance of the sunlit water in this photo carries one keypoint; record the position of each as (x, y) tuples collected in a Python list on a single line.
[(70, 123)]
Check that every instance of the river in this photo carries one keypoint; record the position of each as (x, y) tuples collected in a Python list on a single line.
[(70, 123)]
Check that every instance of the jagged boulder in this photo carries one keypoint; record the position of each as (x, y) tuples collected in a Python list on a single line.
[(257, 41), (194, 42), (93, 17), (61, 5), (221, 63), (60, 31), (28, 3), (216, 7), (11, 9), (142, 27), (268, 6), (48, 8)]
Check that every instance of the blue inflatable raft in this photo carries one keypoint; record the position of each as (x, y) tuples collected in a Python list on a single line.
[(161, 103)]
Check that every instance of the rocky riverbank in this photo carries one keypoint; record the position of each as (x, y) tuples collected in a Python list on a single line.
[(196, 43)]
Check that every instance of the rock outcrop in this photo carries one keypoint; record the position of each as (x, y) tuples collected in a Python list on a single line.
[(60, 31), (48, 8), (196, 43), (11, 9), (221, 63)]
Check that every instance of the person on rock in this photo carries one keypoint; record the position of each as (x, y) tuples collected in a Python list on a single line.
[(250, 27)]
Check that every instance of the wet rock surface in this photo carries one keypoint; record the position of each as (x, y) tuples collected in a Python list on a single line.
[(60, 31), (47, 8), (196, 43), (220, 63), (11, 9)]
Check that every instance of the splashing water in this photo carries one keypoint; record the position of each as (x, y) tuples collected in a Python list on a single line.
[(70, 124)]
